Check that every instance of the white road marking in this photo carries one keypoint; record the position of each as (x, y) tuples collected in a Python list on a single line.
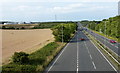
[(94, 65), (59, 56), (116, 46), (90, 55), (77, 70), (87, 47), (104, 56), (108, 47), (77, 55)]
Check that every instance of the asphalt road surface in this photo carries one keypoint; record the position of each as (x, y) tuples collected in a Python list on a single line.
[(115, 47), (80, 57)]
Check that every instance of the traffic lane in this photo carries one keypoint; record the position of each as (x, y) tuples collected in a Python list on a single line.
[(114, 47), (100, 62), (107, 44), (85, 62), (104, 38), (67, 60)]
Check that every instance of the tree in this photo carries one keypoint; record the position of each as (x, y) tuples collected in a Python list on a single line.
[(62, 32)]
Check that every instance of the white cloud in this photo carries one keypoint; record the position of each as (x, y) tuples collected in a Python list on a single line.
[(26, 8), (59, 0), (67, 8), (79, 7), (44, 9)]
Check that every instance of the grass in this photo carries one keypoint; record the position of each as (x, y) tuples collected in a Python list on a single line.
[(39, 60)]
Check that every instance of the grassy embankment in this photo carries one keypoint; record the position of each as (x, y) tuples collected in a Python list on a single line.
[(116, 39), (38, 60)]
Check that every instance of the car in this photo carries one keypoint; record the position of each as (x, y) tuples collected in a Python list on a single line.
[(112, 41), (82, 39)]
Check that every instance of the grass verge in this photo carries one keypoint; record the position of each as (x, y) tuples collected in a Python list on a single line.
[(39, 60), (116, 39)]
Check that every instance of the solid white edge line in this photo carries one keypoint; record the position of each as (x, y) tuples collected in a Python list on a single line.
[(104, 56), (108, 48), (59, 56)]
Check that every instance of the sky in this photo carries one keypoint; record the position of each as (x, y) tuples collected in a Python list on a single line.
[(63, 10)]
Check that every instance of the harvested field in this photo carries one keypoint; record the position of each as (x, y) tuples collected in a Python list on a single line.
[(24, 40)]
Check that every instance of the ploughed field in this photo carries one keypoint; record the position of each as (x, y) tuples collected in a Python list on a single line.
[(24, 40)]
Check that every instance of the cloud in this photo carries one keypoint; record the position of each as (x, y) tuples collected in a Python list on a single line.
[(26, 8), (59, 0), (68, 8), (47, 10), (80, 7)]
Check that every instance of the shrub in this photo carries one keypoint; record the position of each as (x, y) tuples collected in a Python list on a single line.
[(13, 68), (22, 27), (33, 63), (3, 27), (20, 57)]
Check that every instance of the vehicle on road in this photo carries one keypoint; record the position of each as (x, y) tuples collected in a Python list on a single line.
[(112, 41), (82, 39)]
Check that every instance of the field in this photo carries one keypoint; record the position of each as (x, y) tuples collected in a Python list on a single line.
[(24, 40)]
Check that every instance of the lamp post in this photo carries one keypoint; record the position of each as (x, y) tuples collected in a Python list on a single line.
[(119, 8), (105, 32)]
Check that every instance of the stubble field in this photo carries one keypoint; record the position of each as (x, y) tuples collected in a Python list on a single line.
[(24, 40)]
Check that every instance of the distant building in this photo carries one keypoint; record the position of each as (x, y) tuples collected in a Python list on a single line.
[(21, 22), (119, 8), (7, 23)]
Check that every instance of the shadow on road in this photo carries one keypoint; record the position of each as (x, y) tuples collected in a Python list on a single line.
[(75, 41)]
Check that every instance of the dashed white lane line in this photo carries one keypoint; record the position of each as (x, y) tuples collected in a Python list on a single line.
[(77, 55), (116, 46), (77, 70), (90, 56), (104, 57), (94, 65)]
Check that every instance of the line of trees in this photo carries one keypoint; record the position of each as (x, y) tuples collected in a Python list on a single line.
[(62, 32), (110, 27)]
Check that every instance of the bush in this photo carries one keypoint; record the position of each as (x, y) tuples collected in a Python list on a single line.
[(3, 27), (12, 68), (39, 57), (20, 58), (33, 63)]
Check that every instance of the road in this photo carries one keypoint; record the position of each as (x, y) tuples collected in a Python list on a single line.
[(80, 56), (113, 46)]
